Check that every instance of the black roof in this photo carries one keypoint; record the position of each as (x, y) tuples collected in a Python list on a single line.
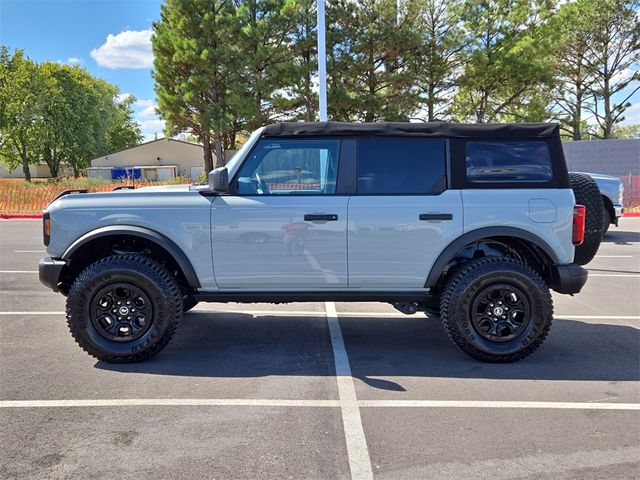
[(406, 129)]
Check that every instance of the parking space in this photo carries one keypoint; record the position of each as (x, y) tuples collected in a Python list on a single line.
[(314, 390)]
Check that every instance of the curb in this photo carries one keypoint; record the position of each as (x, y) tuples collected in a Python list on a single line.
[(15, 216)]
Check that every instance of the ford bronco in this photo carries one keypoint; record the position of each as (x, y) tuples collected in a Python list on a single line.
[(471, 223)]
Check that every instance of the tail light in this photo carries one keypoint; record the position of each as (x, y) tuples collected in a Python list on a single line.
[(46, 227), (579, 219)]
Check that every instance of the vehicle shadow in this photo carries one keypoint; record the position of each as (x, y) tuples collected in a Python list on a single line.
[(621, 237), (240, 345)]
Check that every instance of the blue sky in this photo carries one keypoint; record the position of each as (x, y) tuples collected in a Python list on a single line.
[(111, 39)]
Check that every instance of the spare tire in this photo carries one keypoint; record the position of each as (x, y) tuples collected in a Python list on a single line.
[(587, 193)]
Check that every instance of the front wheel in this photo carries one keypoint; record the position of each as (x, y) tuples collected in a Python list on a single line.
[(496, 309), (124, 308)]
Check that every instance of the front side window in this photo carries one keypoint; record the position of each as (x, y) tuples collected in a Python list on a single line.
[(401, 166), (282, 167), (508, 161)]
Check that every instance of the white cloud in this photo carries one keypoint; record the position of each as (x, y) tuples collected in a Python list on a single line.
[(144, 103), (74, 61), (121, 97), (151, 128), (632, 114), (128, 49)]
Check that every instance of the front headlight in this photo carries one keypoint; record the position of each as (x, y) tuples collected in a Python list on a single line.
[(46, 227), (620, 193)]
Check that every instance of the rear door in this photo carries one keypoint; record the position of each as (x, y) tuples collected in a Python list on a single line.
[(402, 215), (284, 227)]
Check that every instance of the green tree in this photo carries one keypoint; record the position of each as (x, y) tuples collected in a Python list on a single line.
[(370, 48), (574, 29), (298, 100), (614, 48), (626, 131), (439, 56), (21, 106), (265, 31), (508, 70), (197, 69)]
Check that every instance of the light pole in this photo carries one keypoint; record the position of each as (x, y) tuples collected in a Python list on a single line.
[(322, 62)]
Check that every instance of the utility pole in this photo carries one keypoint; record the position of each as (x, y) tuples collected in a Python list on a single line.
[(322, 62)]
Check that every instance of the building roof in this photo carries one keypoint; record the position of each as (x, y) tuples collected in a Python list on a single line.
[(148, 143), (406, 129)]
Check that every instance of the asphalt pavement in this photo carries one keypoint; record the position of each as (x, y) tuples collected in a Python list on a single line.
[(321, 390)]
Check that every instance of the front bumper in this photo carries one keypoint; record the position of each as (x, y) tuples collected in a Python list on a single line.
[(569, 278), (49, 270), (618, 212)]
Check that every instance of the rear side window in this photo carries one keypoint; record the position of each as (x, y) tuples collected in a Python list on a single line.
[(508, 161), (408, 166)]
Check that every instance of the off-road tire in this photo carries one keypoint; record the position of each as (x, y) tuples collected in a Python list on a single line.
[(606, 221), (461, 291), (587, 193), (144, 273), (188, 302)]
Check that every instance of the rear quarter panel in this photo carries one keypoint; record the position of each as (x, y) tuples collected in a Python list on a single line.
[(547, 213)]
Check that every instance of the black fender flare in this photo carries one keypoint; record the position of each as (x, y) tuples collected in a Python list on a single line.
[(459, 243), (161, 240)]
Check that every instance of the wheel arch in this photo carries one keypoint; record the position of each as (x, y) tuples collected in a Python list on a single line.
[(164, 245), (513, 237)]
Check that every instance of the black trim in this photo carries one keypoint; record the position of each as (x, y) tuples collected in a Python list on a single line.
[(459, 243), (347, 168), (70, 191), (314, 296), (178, 255), (569, 278), (124, 187), (320, 217), (436, 216), (49, 270), (406, 129)]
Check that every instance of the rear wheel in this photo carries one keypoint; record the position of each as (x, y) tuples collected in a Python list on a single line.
[(124, 308), (496, 309), (587, 193)]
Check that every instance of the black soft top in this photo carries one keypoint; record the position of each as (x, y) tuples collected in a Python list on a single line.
[(406, 129)]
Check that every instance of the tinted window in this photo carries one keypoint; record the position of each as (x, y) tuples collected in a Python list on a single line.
[(508, 162), (278, 167), (401, 166)]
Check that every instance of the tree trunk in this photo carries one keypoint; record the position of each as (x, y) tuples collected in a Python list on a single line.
[(206, 148), (219, 150), (25, 165)]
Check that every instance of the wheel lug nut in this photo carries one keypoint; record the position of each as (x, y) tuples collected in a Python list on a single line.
[(128, 303), (119, 318)]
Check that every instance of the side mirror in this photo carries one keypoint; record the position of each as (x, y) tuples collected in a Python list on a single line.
[(219, 179)]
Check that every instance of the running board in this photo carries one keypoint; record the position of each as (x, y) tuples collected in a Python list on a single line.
[(315, 296)]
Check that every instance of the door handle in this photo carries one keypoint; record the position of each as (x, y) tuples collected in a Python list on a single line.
[(313, 217), (436, 216)]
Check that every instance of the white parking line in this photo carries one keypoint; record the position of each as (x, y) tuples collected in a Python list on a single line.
[(618, 275), (357, 450), (18, 271), (168, 402), (498, 404)]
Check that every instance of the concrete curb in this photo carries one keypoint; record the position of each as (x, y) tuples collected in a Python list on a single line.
[(14, 216)]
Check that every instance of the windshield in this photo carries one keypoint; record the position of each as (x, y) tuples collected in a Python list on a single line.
[(232, 165)]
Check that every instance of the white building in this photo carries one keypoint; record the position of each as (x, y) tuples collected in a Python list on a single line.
[(155, 160)]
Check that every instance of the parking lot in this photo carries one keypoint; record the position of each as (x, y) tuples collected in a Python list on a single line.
[(315, 390)]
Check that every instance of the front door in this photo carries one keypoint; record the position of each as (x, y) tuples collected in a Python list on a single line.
[(283, 227)]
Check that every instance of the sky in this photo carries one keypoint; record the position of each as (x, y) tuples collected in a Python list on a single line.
[(112, 40)]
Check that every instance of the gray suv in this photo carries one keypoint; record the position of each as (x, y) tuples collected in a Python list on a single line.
[(472, 223)]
